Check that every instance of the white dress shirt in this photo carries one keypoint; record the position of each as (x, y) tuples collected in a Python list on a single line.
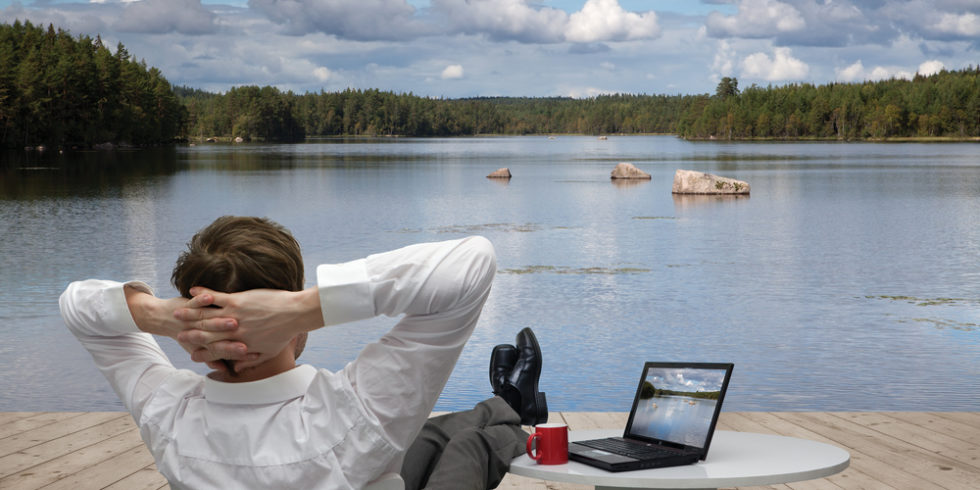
[(307, 427)]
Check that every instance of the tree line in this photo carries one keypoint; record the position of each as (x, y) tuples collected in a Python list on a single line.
[(946, 104), (69, 92)]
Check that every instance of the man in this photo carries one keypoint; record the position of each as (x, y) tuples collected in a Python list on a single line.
[(260, 421)]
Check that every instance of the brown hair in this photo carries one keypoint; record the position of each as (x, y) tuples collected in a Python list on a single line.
[(235, 254)]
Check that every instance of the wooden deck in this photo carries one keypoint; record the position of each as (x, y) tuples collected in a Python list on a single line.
[(901, 450)]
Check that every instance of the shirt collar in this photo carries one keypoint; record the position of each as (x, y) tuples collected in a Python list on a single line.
[(274, 389)]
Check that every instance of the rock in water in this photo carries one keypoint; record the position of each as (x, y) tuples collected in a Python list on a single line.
[(628, 171), (692, 182), (500, 173)]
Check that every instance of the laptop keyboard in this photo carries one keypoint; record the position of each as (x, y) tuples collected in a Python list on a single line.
[(627, 448)]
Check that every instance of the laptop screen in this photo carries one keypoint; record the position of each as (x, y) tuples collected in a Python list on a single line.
[(679, 403)]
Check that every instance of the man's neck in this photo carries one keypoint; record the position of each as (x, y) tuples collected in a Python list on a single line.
[(277, 365)]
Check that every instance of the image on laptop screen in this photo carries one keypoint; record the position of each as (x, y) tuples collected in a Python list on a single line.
[(677, 404)]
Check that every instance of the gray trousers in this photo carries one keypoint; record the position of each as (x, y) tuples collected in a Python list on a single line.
[(465, 450)]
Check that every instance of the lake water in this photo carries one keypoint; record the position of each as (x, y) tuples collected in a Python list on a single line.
[(849, 280), (679, 419)]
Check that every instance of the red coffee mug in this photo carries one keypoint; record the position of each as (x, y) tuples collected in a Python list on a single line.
[(552, 444)]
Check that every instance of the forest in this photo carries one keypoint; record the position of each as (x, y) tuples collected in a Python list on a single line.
[(946, 104), (67, 92), (70, 92)]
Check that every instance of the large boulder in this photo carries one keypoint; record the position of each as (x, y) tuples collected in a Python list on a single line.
[(692, 182), (500, 173), (628, 171)]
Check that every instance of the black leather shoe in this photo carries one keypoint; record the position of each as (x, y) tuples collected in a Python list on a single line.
[(502, 360), (523, 379)]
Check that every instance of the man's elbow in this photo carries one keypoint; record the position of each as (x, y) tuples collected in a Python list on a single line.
[(482, 259)]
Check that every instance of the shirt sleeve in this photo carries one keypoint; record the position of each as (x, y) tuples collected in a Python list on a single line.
[(96, 312), (440, 288)]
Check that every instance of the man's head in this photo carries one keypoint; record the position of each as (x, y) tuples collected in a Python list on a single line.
[(235, 254)]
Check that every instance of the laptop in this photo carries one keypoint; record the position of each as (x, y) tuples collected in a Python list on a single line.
[(674, 413)]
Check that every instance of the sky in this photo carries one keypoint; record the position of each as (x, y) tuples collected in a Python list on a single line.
[(686, 379), (573, 48)]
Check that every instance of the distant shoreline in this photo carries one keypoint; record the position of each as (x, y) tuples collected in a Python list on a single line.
[(815, 139)]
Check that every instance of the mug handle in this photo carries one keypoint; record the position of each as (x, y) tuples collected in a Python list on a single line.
[(530, 452)]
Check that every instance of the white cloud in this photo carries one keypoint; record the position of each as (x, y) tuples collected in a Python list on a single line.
[(724, 63), (967, 24), (360, 20), (160, 16), (584, 92), (322, 73), (525, 21), (504, 19), (756, 18), (856, 72), (782, 66), (887, 72), (452, 72), (605, 20), (930, 67), (851, 73)]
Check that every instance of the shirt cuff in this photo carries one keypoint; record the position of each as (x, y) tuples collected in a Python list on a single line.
[(345, 292), (118, 318)]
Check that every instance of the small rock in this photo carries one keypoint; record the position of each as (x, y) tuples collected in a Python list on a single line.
[(628, 171), (500, 173), (692, 182)]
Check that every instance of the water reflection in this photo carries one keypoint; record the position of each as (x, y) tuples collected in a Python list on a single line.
[(29, 176), (629, 183), (691, 201)]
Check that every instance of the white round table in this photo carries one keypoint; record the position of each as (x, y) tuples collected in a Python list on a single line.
[(735, 459)]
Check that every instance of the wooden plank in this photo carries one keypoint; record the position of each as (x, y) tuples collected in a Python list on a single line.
[(64, 466), (37, 420), (7, 417), (595, 420), (146, 478), (943, 472), (742, 422), (951, 447), (854, 476), (971, 419), (969, 432), (106, 472), (515, 482), (41, 453), (45, 433), (865, 458)]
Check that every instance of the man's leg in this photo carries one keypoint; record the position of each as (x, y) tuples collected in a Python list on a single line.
[(470, 449)]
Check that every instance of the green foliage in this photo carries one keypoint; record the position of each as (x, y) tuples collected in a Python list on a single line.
[(946, 104), (647, 391), (249, 112), (942, 105), (707, 395), (61, 91), (374, 112), (727, 87)]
